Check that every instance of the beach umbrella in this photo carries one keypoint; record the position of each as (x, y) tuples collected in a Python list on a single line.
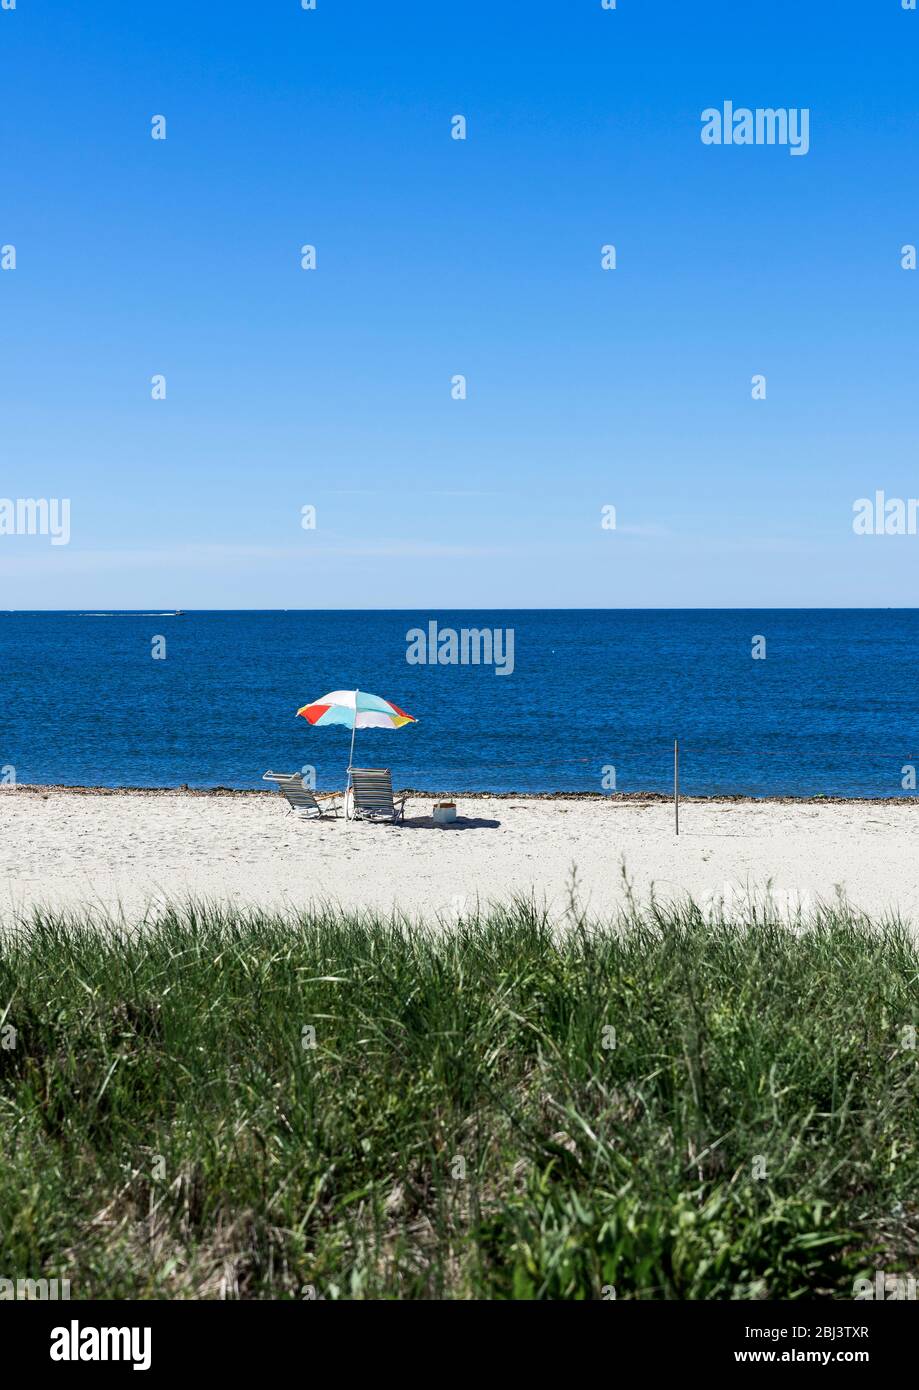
[(355, 709)]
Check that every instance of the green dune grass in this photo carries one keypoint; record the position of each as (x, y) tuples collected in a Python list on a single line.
[(661, 1107)]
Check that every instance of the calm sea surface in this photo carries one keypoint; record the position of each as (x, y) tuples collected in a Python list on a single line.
[(833, 708)]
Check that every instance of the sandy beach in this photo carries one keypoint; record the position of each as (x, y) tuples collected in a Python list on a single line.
[(124, 852)]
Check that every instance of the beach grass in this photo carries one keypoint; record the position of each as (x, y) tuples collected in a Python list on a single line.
[(662, 1107)]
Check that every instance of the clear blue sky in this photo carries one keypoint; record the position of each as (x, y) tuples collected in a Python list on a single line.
[(436, 257)]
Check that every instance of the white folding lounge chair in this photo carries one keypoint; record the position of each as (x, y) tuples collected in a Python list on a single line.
[(373, 796), (300, 798)]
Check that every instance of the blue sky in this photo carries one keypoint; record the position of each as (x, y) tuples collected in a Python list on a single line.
[(331, 388)]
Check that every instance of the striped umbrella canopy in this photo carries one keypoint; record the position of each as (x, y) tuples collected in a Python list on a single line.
[(355, 709)]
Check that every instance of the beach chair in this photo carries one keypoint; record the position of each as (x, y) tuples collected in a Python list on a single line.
[(300, 798), (371, 788)]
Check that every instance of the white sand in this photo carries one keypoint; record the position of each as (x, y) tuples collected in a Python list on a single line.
[(132, 850)]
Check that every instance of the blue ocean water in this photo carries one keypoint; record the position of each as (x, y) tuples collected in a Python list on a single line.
[(831, 709)]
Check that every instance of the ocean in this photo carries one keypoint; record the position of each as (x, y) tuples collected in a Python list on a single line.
[(593, 701)]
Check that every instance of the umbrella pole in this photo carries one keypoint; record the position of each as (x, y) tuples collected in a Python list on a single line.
[(676, 783), (351, 755)]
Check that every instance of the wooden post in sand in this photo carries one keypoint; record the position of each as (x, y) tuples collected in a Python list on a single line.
[(676, 783)]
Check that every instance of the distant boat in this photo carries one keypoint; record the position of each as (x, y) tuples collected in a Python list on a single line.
[(179, 613)]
